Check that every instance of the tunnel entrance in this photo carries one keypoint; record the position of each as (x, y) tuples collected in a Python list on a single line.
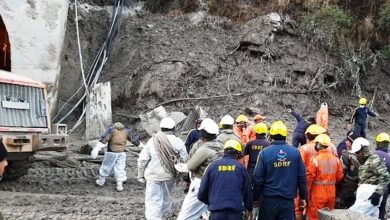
[(5, 48)]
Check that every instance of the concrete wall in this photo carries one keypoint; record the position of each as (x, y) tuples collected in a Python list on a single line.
[(36, 29)]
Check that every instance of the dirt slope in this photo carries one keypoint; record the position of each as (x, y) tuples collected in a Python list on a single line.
[(256, 65)]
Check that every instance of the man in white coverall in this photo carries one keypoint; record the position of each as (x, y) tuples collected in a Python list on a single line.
[(156, 167), (204, 152), (115, 158)]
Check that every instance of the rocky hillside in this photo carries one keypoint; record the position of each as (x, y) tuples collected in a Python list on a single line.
[(264, 65)]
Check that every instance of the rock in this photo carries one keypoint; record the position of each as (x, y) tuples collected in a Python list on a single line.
[(342, 214), (299, 68)]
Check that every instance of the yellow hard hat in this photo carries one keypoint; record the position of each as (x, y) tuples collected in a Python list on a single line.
[(278, 127), (382, 137), (323, 139), (315, 130), (233, 144), (260, 128), (363, 101), (242, 118)]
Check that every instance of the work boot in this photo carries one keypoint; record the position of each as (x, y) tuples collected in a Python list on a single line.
[(119, 186), (100, 181)]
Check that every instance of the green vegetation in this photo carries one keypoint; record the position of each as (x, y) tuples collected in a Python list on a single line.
[(384, 18), (385, 52), (331, 19)]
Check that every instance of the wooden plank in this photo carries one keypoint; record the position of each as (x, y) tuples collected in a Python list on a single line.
[(341, 214), (99, 114)]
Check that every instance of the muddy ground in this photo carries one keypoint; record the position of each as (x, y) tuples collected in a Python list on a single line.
[(65, 189), (253, 67)]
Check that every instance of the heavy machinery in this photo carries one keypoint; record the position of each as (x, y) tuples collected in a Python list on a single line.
[(25, 126)]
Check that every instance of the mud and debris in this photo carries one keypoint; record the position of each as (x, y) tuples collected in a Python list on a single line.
[(225, 67)]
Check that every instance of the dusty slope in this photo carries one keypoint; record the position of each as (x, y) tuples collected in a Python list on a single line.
[(254, 65)]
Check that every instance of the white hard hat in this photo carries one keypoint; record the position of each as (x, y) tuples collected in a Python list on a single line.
[(209, 126), (167, 123), (358, 143), (227, 120)]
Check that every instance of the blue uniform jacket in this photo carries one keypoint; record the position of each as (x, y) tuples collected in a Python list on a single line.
[(280, 172), (360, 115), (341, 147), (253, 148), (302, 125), (226, 186), (383, 153), (192, 137)]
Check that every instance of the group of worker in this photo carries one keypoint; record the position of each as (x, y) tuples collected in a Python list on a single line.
[(236, 168)]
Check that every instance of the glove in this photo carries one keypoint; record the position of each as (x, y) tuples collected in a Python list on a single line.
[(94, 153), (375, 197), (181, 167), (141, 180)]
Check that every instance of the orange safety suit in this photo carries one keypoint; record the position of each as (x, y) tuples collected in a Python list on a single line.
[(308, 152), (324, 172), (251, 133), (322, 116), (243, 134)]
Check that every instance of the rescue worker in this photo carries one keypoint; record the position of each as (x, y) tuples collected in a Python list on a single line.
[(251, 133), (115, 136), (227, 201), (322, 116), (308, 151), (299, 138), (227, 132), (279, 174), (253, 148), (203, 153), (324, 172), (382, 149), (371, 171), (193, 136), (241, 128), (156, 167), (3, 158), (359, 116), (346, 189), (346, 143)]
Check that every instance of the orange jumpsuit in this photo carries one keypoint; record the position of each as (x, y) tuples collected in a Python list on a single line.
[(243, 134), (251, 133), (325, 170), (308, 152), (322, 116)]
